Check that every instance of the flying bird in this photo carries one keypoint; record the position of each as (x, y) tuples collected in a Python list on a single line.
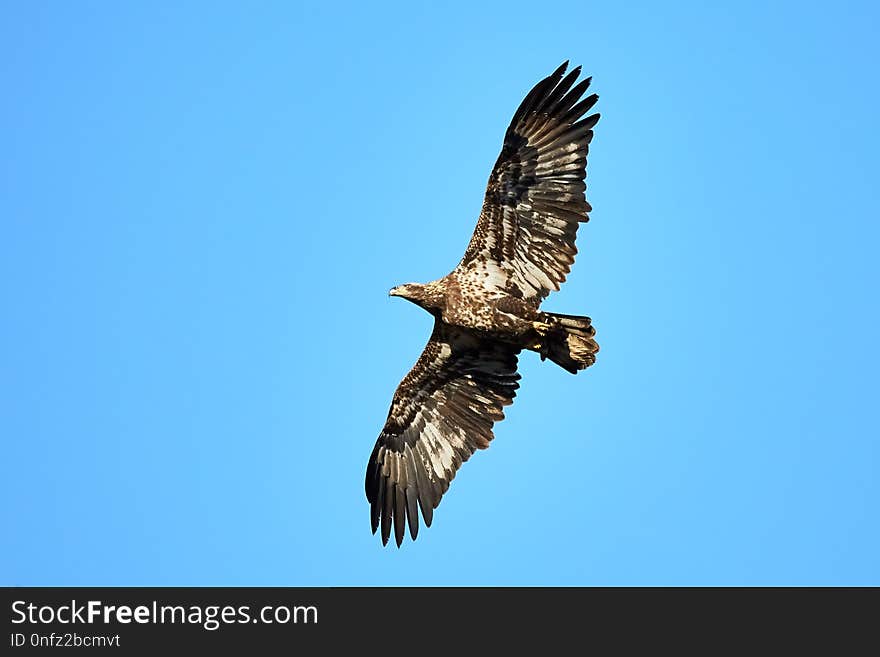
[(487, 310)]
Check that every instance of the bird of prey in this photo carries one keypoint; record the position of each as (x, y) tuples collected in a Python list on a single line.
[(487, 310)]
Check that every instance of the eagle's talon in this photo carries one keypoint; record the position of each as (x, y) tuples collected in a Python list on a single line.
[(541, 328)]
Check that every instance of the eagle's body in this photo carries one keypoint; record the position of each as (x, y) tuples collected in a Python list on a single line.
[(487, 310)]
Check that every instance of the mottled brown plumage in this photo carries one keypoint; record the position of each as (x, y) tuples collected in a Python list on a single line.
[(486, 311)]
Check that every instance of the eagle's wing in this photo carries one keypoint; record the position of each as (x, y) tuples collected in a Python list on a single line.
[(524, 240), (442, 412)]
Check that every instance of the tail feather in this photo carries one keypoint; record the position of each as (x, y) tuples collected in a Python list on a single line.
[(569, 342)]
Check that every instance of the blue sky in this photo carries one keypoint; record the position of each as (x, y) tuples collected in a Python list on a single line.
[(203, 208)]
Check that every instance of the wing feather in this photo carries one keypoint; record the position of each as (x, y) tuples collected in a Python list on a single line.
[(535, 198), (442, 412)]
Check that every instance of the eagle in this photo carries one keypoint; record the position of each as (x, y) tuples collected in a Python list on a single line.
[(487, 310)]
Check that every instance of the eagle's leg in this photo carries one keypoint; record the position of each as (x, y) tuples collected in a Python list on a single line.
[(538, 332), (540, 344)]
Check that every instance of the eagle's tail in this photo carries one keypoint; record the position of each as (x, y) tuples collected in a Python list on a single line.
[(568, 341)]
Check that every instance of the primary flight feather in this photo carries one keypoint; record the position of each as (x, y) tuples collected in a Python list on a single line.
[(486, 311)]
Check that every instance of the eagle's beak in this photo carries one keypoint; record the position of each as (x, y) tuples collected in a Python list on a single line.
[(394, 292)]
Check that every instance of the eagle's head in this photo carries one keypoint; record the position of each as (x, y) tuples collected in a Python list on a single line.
[(429, 296)]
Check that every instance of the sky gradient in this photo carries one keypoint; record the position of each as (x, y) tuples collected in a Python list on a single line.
[(203, 208)]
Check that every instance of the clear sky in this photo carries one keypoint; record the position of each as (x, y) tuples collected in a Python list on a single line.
[(203, 208)]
